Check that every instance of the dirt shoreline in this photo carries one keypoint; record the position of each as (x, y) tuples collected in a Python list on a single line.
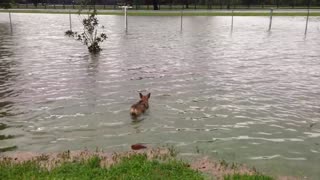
[(214, 168)]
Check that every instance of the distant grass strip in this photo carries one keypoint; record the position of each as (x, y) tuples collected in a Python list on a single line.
[(168, 13), (247, 177), (133, 167)]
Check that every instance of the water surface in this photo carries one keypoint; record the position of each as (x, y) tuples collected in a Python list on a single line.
[(249, 96)]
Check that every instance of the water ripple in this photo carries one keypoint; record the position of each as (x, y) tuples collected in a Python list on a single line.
[(208, 88), (278, 156), (259, 138)]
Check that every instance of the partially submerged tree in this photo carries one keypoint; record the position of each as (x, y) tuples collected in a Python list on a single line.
[(90, 36)]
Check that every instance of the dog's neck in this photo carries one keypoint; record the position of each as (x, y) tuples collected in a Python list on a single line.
[(145, 103)]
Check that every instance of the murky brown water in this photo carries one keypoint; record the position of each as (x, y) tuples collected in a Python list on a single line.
[(249, 97)]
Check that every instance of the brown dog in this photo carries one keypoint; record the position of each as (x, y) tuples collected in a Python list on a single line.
[(141, 106)]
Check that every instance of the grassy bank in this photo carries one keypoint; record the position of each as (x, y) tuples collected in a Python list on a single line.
[(167, 13), (150, 164), (134, 167)]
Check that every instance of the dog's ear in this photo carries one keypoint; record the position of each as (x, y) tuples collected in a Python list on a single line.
[(140, 95), (149, 95)]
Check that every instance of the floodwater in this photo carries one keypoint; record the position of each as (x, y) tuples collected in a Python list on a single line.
[(250, 96)]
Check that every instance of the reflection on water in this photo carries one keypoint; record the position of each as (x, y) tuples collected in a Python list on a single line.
[(7, 78), (247, 97), (3, 138), (3, 126), (7, 75)]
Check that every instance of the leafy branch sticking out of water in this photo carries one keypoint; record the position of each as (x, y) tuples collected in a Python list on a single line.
[(90, 36)]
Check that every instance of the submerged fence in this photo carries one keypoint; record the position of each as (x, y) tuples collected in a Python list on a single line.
[(170, 4), (181, 20)]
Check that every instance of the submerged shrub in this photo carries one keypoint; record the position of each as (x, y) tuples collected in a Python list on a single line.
[(90, 36)]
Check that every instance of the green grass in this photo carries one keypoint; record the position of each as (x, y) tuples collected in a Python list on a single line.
[(134, 167), (247, 177), (168, 13), (138, 167)]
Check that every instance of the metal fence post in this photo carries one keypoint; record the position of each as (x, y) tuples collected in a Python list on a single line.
[(305, 32), (10, 21), (270, 23), (70, 20)]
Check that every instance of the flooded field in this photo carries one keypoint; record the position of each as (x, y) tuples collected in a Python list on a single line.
[(250, 96)]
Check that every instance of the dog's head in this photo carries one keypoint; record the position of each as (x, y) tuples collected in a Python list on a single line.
[(145, 98)]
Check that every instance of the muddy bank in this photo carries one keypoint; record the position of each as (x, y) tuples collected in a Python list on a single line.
[(217, 169), (51, 160)]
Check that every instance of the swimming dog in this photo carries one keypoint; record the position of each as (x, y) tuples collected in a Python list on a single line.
[(141, 106)]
